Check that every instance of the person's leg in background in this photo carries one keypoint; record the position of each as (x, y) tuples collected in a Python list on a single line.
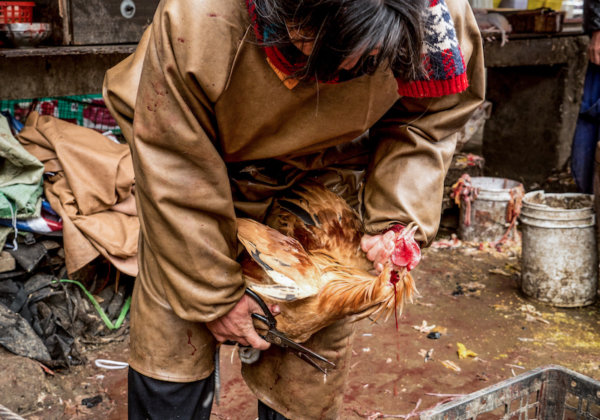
[(587, 132), (597, 199)]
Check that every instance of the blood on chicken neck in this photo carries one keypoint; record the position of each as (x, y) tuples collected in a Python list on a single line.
[(407, 252), (394, 279)]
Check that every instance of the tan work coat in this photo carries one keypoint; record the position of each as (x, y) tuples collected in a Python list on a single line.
[(198, 96)]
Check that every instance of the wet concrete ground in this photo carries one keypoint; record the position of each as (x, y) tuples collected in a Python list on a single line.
[(510, 334)]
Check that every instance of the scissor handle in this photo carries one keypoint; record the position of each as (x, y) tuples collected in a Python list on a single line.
[(268, 318), (278, 338), (264, 319)]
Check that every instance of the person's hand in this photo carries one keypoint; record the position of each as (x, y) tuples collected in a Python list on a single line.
[(397, 245), (236, 325), (378, 248), (594, 48)]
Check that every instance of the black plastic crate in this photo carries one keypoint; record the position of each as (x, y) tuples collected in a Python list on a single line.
[(546, 393)]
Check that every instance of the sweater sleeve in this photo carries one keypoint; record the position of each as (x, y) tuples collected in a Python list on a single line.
[(415, 142), (188, 228)]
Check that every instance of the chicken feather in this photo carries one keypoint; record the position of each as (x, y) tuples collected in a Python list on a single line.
[(282, 258), (309, 261)]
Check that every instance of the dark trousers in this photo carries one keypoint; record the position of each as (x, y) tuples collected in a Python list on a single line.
[(151, 399)]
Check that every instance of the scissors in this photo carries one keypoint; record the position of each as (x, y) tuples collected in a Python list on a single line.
[(274, 336)]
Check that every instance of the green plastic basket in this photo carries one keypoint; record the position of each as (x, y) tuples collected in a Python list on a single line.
[(85, 110)]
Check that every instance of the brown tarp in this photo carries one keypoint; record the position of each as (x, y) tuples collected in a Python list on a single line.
[(91, 187)]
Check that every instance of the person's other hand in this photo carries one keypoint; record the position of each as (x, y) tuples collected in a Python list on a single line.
[(396, 245), (378, 248), (236, 325), (594, 48)]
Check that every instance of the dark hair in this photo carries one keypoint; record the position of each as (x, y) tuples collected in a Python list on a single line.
[(345, 28)]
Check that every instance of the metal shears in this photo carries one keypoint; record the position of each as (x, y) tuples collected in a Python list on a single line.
[(274, 336)]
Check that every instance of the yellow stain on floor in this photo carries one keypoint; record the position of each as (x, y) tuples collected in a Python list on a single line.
[(572, 332)]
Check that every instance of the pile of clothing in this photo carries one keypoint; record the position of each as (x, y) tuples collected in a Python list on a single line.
[(68, 226)]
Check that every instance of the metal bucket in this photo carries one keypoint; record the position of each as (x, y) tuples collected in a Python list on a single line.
[(487, 211), (559, 259)]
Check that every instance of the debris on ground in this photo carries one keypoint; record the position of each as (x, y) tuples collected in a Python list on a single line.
[(500, 271), (510, 269), (532, 315), (513, 367), (424, 327), (427, 355), (54, 316), (441, 330), (434, 335), (463, 352), (472, 288), (451, 365), (482, 376), (17, 336), (511, 248), (451, 243), (458, 291), (92, 402), (378, 415)]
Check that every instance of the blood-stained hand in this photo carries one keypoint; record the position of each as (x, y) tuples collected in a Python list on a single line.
[(397, 245), (236, 325), (379, 248)]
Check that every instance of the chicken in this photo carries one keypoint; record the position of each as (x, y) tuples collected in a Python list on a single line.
[(309, 261)]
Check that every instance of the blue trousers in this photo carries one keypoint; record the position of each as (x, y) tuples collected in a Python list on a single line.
[(587, 132)]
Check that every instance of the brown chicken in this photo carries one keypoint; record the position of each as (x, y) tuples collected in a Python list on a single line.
[(310, 263)]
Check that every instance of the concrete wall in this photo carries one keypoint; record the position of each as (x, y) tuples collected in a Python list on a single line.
[(535, 86)]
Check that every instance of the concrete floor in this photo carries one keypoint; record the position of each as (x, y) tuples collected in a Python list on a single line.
[(389, 374)]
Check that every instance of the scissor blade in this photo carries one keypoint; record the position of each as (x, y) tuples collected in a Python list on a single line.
[(309, 361), (283, 341)]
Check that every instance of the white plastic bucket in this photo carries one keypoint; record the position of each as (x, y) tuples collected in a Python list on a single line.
[(559, 256), (487, 218)]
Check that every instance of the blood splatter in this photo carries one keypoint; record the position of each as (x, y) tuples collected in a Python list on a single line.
[(189, 334), (394, 279)]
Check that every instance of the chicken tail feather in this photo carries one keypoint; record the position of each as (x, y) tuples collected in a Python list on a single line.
[(351, 293)]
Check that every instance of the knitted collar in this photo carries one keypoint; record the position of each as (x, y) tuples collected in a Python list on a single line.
[(442, 58)]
